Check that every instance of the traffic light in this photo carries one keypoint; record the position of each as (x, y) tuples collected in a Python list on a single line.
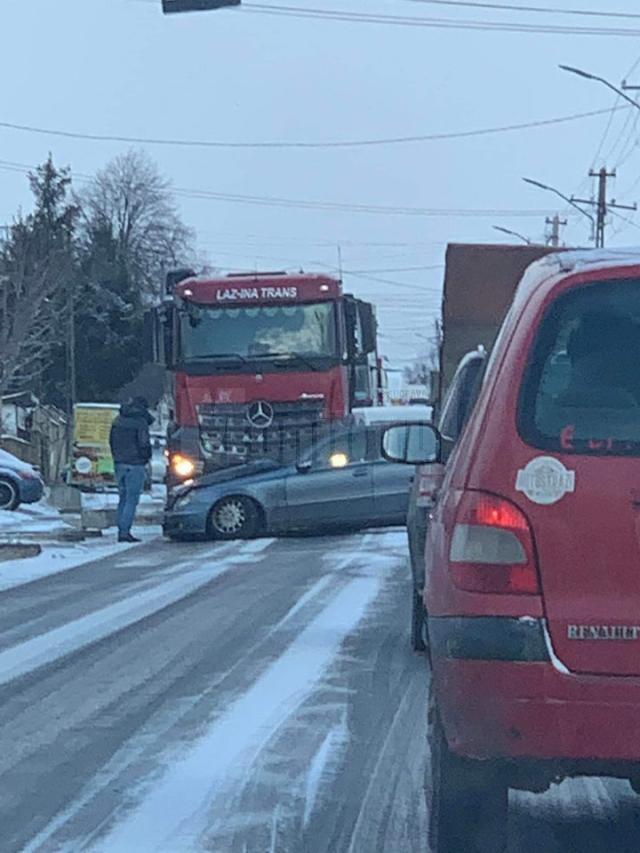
[(169, 6)]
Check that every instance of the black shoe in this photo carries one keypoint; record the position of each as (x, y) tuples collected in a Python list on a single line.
[(127, 537)]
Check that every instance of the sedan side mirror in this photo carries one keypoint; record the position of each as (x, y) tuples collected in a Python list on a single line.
[(304, 467), (413, 443)]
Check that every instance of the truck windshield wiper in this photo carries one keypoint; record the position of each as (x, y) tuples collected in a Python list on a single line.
[(214, 356), (293, 355)]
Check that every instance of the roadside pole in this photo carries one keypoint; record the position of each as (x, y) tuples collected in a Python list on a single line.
[(601, 204)]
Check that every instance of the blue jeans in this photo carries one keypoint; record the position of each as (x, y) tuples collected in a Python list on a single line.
[(130, 484)]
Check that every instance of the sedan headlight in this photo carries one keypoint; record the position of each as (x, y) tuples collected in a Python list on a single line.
[(183, 500)]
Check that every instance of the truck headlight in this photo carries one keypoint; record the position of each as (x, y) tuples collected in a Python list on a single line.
[(182, 466)]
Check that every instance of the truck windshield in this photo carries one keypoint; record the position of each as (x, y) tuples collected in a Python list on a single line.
[(258, 331)]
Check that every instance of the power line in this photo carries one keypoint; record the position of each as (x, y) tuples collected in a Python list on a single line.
[(625, 219), (332, 206), (361, 274), (453, 24), (435, 23), (509, 7), (397, 140), (273, 201), (393, 283), (396, 269)]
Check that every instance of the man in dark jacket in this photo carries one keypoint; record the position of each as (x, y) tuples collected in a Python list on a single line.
[(131, 451)]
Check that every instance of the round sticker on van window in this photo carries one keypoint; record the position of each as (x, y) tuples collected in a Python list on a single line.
[(545, 480)]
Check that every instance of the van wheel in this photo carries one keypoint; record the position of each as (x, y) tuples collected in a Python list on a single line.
[(418, 627), (234, 517), (9, 498), (467, 801)]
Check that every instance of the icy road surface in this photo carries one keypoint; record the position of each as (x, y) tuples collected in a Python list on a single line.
[(251, 697)]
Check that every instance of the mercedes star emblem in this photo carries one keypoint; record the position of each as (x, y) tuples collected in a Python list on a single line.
[(260, 414)]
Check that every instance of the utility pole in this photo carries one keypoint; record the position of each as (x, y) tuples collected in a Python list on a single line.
[(556, 224), (71, 363), (601, 204)]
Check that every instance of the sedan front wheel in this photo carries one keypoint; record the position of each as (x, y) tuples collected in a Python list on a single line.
[(235, 517)]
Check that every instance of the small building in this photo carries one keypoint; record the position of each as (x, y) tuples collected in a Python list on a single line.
[(36, 433)]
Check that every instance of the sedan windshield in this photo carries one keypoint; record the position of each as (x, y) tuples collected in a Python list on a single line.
[(258, 331)]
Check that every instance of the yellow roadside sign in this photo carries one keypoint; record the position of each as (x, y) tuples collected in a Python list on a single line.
[(92, 464)]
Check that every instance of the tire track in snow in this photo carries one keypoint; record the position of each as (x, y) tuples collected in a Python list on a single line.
[(161, 729), (58, 643), (176, 813)]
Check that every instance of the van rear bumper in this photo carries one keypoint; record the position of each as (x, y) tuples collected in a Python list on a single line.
[(506, 709)]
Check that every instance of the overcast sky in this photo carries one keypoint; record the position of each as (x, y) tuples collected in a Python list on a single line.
[(119, 67)]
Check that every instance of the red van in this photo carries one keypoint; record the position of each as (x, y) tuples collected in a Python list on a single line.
[(532, 557)]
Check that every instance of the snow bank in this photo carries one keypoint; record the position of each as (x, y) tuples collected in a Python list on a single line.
[(30, 518), (59, 558)]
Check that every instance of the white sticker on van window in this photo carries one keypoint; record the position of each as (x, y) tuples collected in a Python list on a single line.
[(545, 480)]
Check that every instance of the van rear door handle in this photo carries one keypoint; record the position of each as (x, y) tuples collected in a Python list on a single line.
[(360, 472)]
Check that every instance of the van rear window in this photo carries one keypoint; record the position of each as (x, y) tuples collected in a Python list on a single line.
[(581, 392)]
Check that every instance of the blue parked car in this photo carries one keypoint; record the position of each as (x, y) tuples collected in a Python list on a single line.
[(19, 482), (343, 482)]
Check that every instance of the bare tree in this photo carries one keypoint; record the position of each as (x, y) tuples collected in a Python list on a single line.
[(131, 201), (29, 284)]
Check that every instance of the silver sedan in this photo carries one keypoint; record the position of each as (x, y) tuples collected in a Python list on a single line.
[(343, 482)]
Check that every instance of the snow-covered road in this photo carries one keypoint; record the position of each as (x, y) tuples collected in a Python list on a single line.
[(245, 697)]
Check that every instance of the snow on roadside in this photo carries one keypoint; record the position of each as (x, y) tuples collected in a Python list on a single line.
[(61, 558), (30, 518), (173, 815), (45, 521)]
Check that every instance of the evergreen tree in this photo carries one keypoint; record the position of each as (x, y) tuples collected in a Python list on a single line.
[(37, 271)]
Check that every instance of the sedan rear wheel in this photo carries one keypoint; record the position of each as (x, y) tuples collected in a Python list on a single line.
[(9, 498), (235, 517)]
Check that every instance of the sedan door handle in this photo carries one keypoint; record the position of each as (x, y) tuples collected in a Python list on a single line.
[(360, 472)]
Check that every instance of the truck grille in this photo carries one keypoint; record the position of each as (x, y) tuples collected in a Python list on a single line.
[(237, 432)]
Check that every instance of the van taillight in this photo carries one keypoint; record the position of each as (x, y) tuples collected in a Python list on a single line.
[(492, 547)]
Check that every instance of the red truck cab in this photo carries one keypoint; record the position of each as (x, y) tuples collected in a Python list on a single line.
[(532, 586), (261, 364)]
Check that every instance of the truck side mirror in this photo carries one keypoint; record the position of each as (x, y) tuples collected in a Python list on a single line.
[(168, 331), (368, 326), (351, 320), (159, 335)]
